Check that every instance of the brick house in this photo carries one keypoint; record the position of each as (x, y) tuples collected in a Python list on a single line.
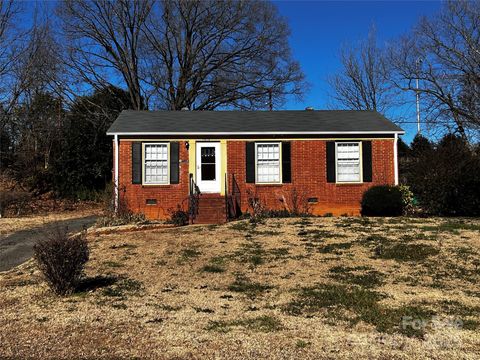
[(213, 163)]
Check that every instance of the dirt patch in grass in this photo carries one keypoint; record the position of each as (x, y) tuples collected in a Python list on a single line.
[(309, 288)]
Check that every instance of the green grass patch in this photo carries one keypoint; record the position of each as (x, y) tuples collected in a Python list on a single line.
[(470, 324), (356, 221), (301, 344), (123, 287), (251, 289), (215, 265), (113, 264), (120, 306), (364, 304), (374, 239), (318, 234), (452, 226), (367, 278), (188, 254), (203, 310), (453, 307), (405, 252), (278, 253), (167, 307), (335, 248), (417, 236), (263, 323), (251, 253), (124, 246), (302, 222), (241, 226), (212, 268)]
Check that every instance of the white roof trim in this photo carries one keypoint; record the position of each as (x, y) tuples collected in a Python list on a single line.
[(258, 133)]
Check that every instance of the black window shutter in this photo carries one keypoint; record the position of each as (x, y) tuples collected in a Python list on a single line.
[(174, 163), (250, 161), (286, 162), (331, 176), (136, 162), (367, 161)]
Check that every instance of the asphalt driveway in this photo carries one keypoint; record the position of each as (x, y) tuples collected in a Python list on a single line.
[(17, 248)]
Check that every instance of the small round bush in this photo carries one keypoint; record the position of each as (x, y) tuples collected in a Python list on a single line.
[(61, 259), (179, 218), (383, 200)]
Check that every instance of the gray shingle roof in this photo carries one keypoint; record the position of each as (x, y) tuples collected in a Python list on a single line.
[(131, 122)]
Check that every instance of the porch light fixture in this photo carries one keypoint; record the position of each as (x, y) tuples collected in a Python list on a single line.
[(187, 145)]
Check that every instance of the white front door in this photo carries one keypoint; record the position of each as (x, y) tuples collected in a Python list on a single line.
[(208, 167)]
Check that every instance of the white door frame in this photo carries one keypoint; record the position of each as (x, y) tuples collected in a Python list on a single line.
[(208, 186)]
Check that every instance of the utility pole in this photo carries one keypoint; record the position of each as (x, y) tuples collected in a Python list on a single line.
[(270, 100), (417, 94)]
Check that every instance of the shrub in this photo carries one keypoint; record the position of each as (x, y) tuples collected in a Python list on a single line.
[(383, 200), (179, 217), (408, 199), (296, 203), (61, 259), (446, 178), (123, 215), (257, 208)]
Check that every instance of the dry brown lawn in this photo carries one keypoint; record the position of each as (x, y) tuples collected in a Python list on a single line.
[(315, 288)]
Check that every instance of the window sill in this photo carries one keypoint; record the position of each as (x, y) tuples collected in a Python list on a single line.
[(158, 185), (349, 183), (269, 184)]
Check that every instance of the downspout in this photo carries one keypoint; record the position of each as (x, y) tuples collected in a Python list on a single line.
[(115, 178), (395, 158)]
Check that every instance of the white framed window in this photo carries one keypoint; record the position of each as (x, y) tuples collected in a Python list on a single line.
[(267, 156), (155, 164), (348, 162)]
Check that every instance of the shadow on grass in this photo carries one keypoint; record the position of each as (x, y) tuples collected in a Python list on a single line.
[(95, 282)]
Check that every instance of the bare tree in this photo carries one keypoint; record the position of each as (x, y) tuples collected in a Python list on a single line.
[(362, 82), (10, 50), (103, 42), (37, 117), (211, 54), (444, 54)]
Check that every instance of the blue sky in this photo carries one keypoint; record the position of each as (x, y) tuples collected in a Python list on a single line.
[(318, 28)]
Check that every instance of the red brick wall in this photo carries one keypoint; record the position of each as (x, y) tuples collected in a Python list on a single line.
[(309, 177), (167, 196)]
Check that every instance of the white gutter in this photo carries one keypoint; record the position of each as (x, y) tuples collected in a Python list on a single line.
[(115, 178), (257, 133), (395, 158)]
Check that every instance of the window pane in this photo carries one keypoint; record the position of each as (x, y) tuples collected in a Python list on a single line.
[(208, 171), (208, 160), (156, 163), (348, 162), (207, 155), (268, 163)]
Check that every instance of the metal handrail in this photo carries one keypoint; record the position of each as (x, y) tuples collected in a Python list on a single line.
[(237, 196), (233, 200), (193, 199)]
